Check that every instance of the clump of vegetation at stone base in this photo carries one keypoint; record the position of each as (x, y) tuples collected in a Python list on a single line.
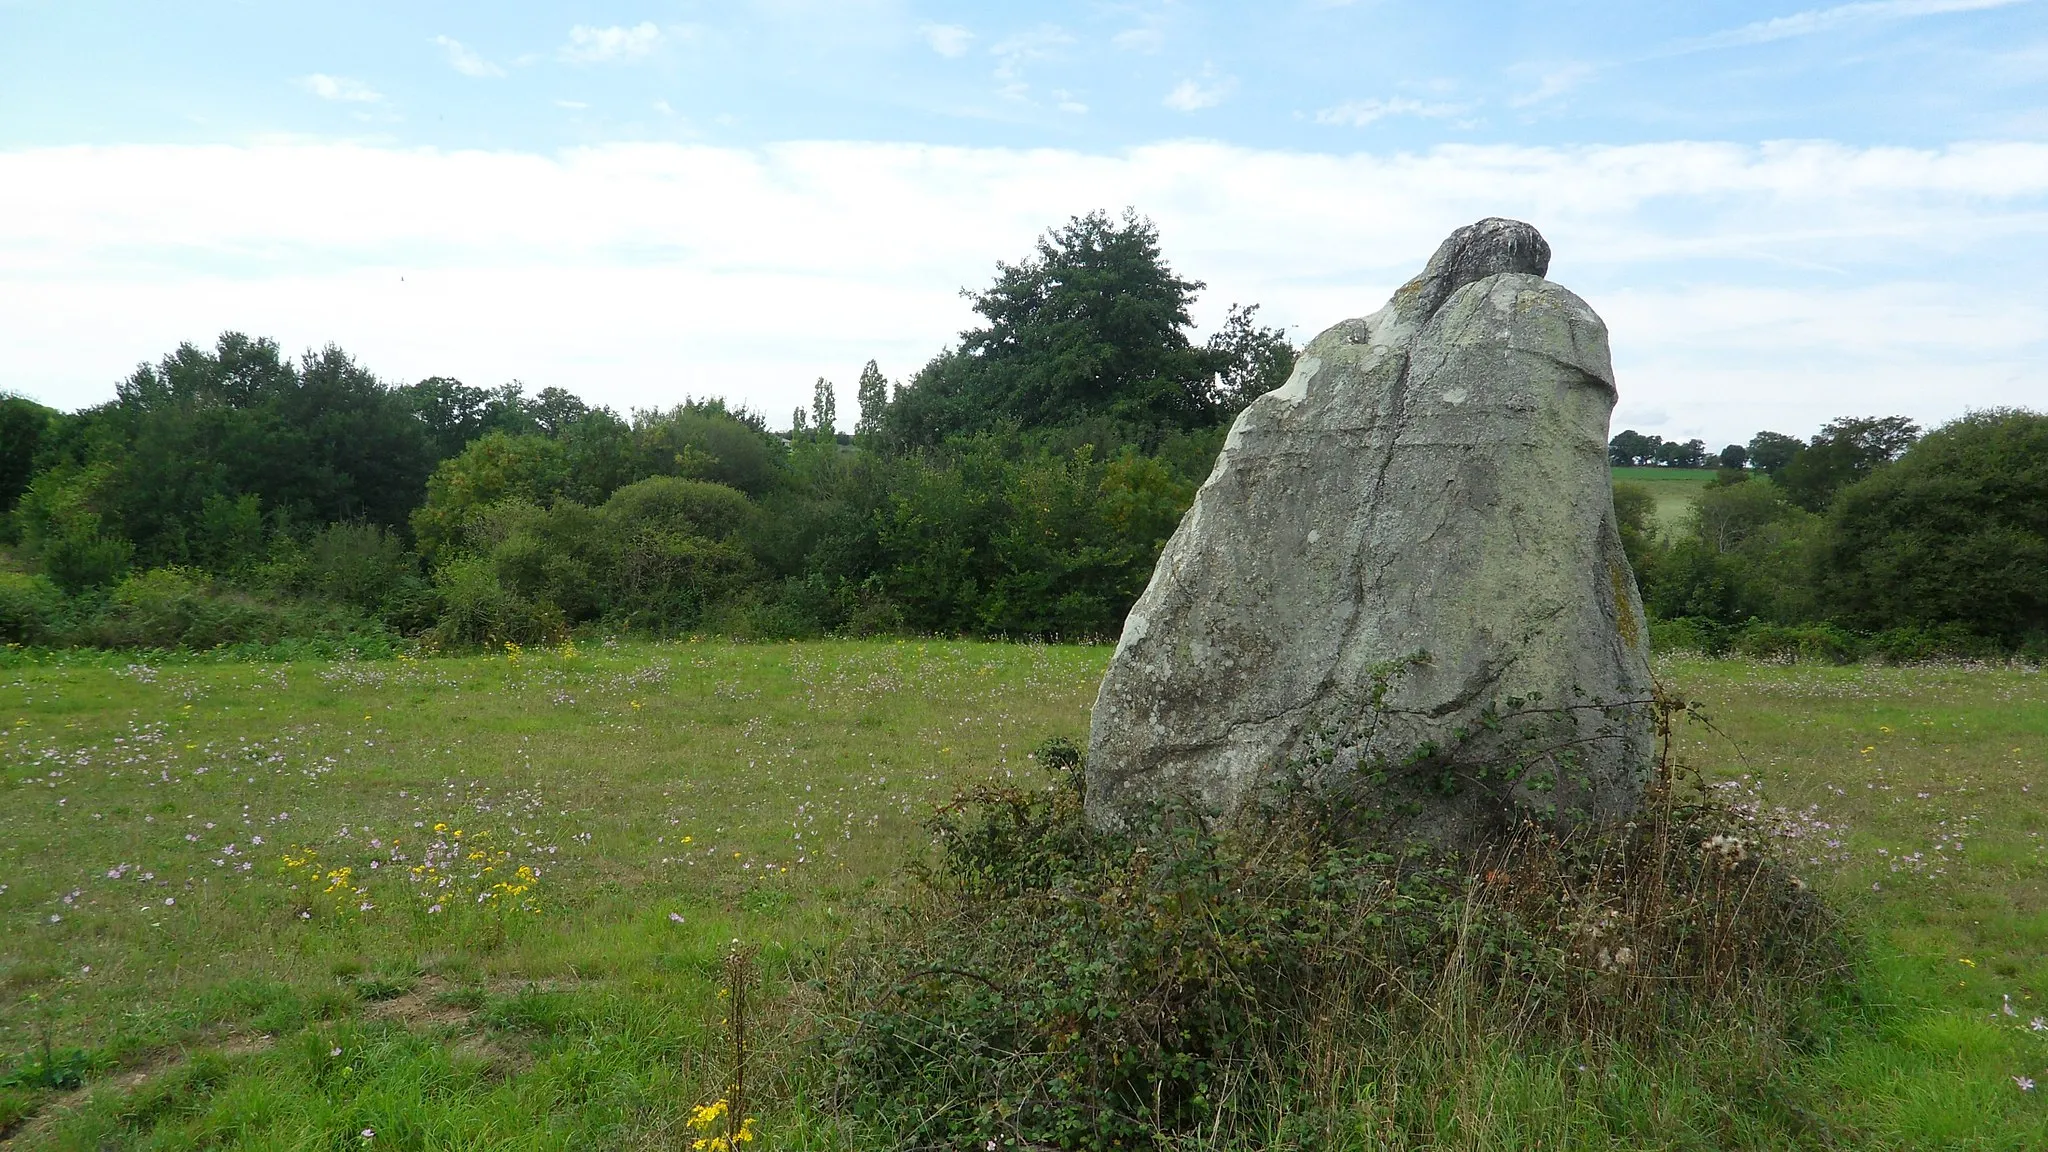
[(1044, 984)]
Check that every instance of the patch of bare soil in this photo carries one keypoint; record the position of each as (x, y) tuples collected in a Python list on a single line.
[(125, 1079)]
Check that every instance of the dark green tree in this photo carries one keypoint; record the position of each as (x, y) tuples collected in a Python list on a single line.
[(1631, 448), (1677, 454), (597, 450), (1846, 451), (871, 393), (1252, 360), (1094, 323), (454, 413), (1635, 514), (1745, 551), (824, 409), (204, 437), (1956, 532), (555, 410), (23, 424), (1769, 452)]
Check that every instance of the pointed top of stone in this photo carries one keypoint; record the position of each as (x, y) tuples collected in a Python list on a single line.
[(1474, 252)]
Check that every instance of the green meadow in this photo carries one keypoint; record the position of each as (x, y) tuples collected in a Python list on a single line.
[(482, 902), (1672, 488)]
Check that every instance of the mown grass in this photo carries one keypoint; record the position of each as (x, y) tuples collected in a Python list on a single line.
[(1673, 489), (675, 797)]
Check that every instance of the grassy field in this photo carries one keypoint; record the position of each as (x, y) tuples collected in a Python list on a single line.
[(481, 902), (1673, 489)]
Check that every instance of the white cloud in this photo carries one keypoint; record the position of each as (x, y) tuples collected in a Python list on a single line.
[(1746, 287), (590, 45), (1817, 20), (1195, 95), (1066, 101), (572, 105), (465, 60), (340, 88), (949, 40), (1359, 113)]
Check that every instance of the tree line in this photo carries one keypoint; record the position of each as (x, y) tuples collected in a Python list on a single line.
[(1021, 483), (1867, 538)]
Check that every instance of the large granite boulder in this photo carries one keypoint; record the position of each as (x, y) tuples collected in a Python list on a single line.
[(1402, 585)]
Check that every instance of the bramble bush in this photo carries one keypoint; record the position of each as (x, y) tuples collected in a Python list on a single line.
[(31, 609), (1825, 643), (1048, 985)]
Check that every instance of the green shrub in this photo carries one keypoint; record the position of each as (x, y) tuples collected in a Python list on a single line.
[(411, 605), (1920, 645), (31, 609), (61, 528), (1635, 515), (1809, 643), (1692, 634), (671, 504), (1048, 985), (357, 564), (1956, 532), (476, 609), (492, 468), (1823, 643), (561, 557), (178, 608), (173, 608)]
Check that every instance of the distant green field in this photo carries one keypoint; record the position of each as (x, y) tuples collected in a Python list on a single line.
[(281, 905), (1673, 488)]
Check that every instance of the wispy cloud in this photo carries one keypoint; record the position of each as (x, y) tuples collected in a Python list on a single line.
[(589, 45), (572, 105), (1359, 113), (1146, 39), (1817, 20), (948, 40), (1195, 95), (1012, 53), (465, 60), (1553, 83), (340, 88)]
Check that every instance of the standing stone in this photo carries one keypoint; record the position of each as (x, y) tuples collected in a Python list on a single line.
[(1403, 584)]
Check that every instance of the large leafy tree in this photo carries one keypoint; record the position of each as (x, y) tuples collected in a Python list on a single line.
[(1846, 451), (1630, 447), (1770, 452), (1956, 532), (23, 425), (211, 440), (454, 413), (1092, 324)]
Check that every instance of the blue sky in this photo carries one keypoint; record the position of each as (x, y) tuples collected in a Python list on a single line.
[(1785, 213)]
